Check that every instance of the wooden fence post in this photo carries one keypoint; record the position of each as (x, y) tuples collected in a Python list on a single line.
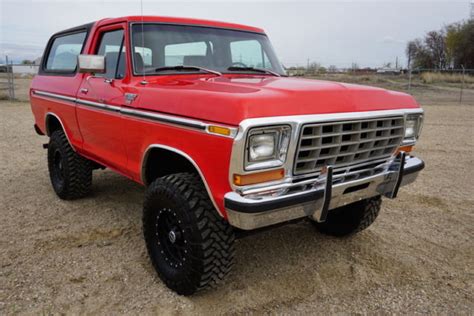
[(462, 83)]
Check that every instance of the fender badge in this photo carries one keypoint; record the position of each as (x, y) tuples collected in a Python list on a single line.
[(130, 97)]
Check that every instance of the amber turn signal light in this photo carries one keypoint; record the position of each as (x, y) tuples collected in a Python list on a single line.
[(406, 149), (259, 177), (219, 130)]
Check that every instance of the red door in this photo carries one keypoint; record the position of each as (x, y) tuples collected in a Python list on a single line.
[(101, 97)]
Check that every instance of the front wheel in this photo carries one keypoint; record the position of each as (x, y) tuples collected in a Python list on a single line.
[(350, 219), (190, 246)]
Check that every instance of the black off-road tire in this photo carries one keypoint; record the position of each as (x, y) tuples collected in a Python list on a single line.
[(70, 174), (350, 219), (202, 252)]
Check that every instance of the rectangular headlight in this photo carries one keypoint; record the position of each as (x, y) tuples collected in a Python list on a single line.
[(267, 147), (262, 146), (413, 125)]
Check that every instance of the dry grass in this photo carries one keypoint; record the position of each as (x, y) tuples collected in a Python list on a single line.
[(434, 77), (443, 90), (88, 256)]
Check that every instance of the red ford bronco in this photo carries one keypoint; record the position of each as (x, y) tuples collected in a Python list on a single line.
[(203, 115)]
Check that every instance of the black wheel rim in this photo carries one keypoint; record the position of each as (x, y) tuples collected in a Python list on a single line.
[(171, 238), (58, 168)]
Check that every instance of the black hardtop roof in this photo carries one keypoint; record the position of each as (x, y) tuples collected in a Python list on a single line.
[(86, 26)]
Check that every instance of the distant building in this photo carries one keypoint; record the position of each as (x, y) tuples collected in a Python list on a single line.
[(296, 71), (25, 69), (364, 71), (388, 71)]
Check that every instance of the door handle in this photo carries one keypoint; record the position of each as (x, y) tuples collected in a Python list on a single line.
[(84, 90)]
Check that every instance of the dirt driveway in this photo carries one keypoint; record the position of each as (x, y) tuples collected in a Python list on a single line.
[(88, 256)]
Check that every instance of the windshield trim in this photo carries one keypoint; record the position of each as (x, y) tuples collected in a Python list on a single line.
[(130, 38)]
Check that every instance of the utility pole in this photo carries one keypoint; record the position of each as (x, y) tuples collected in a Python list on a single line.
[(409, 78), (396, 63)]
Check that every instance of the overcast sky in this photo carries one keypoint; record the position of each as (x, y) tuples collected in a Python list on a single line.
[(369, 33)]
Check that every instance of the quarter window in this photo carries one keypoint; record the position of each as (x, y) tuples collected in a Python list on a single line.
[(63, 53)]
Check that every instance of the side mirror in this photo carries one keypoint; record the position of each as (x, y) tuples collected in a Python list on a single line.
[(91, 63)]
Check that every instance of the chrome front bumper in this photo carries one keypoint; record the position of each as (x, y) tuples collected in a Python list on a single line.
[(249, 212)]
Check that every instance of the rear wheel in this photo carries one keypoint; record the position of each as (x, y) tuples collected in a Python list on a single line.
[(189, 244), (350, 219), (70, 174)]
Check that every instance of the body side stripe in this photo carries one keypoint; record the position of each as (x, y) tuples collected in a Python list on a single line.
[(154, 116)]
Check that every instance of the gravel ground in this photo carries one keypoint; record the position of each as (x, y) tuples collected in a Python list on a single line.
[(88, 256)]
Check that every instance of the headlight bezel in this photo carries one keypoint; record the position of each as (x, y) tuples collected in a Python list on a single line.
[(415, 123), (281, 138)]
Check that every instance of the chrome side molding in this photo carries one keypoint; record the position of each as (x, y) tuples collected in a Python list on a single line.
[(142, 114)]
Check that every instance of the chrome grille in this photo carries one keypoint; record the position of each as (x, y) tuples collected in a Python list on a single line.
[(346, 143)]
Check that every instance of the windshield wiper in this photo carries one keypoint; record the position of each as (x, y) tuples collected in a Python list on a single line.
[(262, 70), (184, 68)]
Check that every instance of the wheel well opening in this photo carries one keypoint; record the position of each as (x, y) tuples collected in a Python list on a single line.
[(52, 124), (161, 162)]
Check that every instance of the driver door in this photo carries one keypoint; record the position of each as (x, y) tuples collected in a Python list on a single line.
[(101, 97)]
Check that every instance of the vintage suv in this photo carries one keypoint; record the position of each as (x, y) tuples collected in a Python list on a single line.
[(203, 115)]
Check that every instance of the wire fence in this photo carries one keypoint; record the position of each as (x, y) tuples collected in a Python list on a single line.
[(429, 86), (7, 80)]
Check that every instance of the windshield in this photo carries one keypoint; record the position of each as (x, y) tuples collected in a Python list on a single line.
[(156, 46)]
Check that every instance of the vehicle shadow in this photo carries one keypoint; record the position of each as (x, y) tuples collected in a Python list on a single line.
[(288, 263)]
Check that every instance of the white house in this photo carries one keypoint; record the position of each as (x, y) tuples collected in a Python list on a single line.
[(25, 69)]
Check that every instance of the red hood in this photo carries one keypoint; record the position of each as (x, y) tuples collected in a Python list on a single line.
[(230, 100)]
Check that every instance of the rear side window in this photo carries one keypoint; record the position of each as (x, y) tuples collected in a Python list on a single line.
[(63, 53)]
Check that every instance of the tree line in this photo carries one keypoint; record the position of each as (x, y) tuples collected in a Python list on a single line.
[(451, 47)]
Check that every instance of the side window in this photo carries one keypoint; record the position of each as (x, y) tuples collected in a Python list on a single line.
[(112, 47), (189, 54), (249, 53), (62, 56)]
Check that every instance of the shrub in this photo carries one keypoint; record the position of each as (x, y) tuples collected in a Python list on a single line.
[(434, 77)]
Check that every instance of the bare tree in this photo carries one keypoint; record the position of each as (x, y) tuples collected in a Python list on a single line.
[(421, 56), (313, 68), (411, 52), (460, 44), (436, 45), (453, 46)]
